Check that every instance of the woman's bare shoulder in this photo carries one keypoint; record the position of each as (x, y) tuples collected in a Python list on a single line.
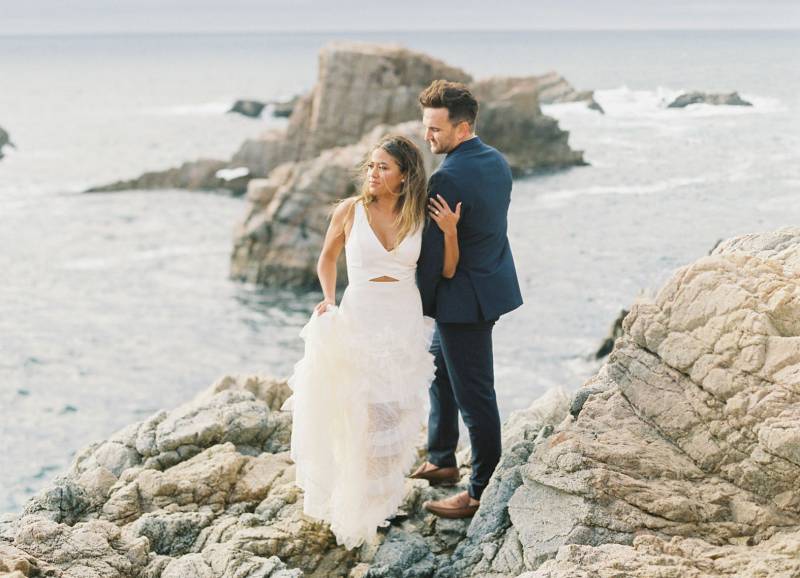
[(343, 214)]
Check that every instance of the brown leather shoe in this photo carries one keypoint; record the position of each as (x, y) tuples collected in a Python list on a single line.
[(459, 506), (437, 476)]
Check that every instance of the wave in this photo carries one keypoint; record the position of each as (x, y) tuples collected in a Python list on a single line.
[(203, 109), (562, 197), (624, 102)]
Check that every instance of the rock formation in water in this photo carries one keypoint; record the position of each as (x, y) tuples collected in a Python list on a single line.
[(284, 108), (614, 333), (679, 458), (361, 86), (550, 88), (250, 108), (730, 99), (5, 140), (204, 174)]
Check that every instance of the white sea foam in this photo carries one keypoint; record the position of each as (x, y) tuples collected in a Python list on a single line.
[(562, 197), (624, 102), (202, 109), (231, 174)]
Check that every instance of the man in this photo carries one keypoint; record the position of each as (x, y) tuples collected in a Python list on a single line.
[(467, 305)]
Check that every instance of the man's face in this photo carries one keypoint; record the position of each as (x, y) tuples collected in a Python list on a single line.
[(440, 134)]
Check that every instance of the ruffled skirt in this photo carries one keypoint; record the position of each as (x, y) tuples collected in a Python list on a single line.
[(360, 403)]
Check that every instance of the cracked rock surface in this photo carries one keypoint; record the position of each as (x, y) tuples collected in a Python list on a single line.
[(679, 458)]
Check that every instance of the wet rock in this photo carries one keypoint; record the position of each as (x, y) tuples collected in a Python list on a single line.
[(729, 99), (284, 108), (194, 176), (249, 108), (614, 333)]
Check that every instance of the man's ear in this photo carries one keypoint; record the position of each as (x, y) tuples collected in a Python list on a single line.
[(464, 130)]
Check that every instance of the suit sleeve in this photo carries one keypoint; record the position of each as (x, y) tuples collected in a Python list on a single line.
[(431, 259)]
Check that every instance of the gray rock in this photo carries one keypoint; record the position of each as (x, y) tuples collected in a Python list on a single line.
[(5, 140), (284, 108), (729, 99), (614, 333), (403, 555), (171, 534), (194, 176), (550, 88), (249, 108), (529, 140)]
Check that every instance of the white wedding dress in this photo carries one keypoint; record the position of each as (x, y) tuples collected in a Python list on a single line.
[(360, 392)]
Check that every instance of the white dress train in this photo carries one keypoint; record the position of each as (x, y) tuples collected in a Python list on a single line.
[(360, 392)]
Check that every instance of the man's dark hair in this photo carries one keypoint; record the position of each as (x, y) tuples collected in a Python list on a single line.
[(453, 96)]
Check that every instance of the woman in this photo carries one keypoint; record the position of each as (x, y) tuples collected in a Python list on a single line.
[(360, 393)]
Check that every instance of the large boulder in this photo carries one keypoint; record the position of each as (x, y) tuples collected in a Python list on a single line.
[(729, 99), (685, 456), (549, 88), (279, 241), (530, 140), (362, 86)]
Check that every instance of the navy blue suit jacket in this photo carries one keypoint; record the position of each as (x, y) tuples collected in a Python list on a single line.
[(485, 284)]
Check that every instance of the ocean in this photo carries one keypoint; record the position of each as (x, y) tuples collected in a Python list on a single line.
[(113, 306)]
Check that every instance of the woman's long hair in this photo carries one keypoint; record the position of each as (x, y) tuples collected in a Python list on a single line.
[(413, 193)]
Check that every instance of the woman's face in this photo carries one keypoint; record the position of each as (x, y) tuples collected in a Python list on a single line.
[(383, 173)]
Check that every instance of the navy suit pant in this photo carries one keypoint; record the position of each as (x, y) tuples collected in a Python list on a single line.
[(464, 383)]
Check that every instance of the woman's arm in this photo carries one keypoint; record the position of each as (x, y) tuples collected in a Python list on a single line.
[(448, 222), (331, 249)]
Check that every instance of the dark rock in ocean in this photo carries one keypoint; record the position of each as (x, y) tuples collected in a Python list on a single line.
[(359, 88), (530, 140), (613, 335), (594, 105), (284, 108), (5, 140), (251, 108), (730, 99)]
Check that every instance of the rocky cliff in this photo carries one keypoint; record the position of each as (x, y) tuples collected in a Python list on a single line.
[(362, 93), (679, 458), (359, 87)]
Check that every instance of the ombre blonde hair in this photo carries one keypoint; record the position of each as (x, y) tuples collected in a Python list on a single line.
[(413, 194)]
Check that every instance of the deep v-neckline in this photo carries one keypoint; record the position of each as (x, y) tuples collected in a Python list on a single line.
[(375, 235)]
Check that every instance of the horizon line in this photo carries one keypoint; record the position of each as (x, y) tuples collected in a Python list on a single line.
[(375, 32)]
